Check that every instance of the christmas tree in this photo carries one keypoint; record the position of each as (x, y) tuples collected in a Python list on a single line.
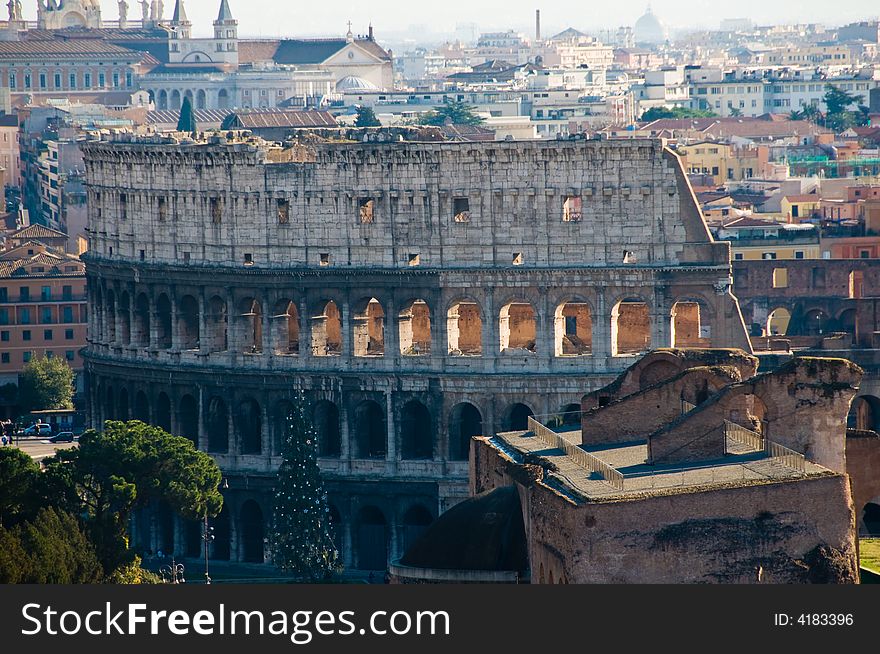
[(301, 540)]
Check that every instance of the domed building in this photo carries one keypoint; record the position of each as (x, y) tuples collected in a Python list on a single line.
[(352, 83), (649, 30)]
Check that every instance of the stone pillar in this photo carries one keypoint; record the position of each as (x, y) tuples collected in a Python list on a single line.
[(347, 545), (392, 331), (268, 325), (544, 325), (179, 536), (233, 533), (203, 432), (175, 319), (131, 316), (153, 312), (661, 321), (232, 320), (491, 335), (346, 327), (234, 446), (345, 448), (391, 449), (204, 344), (305, 328), (601, 328), (266, 448), (394, 549)]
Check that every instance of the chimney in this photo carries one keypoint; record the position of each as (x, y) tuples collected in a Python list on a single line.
[(537, 24), (371, 31)]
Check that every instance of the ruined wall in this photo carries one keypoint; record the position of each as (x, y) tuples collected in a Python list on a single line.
[(863, 468)]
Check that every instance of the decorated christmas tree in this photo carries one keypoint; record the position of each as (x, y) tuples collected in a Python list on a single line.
[(301, 538)]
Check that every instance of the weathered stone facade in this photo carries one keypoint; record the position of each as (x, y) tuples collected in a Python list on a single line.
[(420, 293)]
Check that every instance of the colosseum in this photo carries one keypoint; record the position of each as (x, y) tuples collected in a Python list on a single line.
[(420, 293)]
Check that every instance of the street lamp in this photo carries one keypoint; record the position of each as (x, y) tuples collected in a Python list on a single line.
[(207, 536), (172, 574)]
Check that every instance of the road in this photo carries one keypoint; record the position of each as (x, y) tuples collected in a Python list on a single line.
[(39, 448)]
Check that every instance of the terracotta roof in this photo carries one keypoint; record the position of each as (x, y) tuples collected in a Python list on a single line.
[(66, 49), (251, 51), (19, 266), (807, 197), (275, 118), (36, 232)]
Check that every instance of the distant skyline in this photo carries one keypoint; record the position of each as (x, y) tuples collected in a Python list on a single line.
[(282, 17)]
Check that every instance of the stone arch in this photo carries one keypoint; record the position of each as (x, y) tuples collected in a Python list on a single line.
[(871, 517), (573, 329), (251, 314), (326, 421), (249, 424), (218, 325), (174, 100), (658, 371), (416, 431), (163, 412), (188, 321), (370, 430), (110, 316), (280, 413), (414, 523), (414, 326), (163, 321), (327, 330), (464, 329), (223, 99), (217, 425), (571, 415), (465, 422), (372, 539), (189, 94), (125, 318), (165, 528), (141, 332), (369, 328), (630, 327), (141, 407), (253, 531), (98, 317), (201, 99), (518, 327), (847, 321), (516, 417), (688, 324), (864, 413), (778, 321), (122, 405), (188, 422), (162, 104), (221, 546), (815, 322), (285, 319), (109, 403)]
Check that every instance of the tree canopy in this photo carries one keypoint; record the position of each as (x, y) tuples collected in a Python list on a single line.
[(656, 113), (46, 384), (19, 479), (454, 112), (366, 117), (187, 120)]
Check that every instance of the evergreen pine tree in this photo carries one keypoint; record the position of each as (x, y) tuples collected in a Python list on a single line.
[(187, 121), (301, 539)]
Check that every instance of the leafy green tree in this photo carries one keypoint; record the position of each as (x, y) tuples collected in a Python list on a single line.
[(837, 102), (187, 120), (46, 384), (454, 112), (366, 117), (656, 113), (51, 549), (127, 466), (19, 477), (229, 122), (301, 540)]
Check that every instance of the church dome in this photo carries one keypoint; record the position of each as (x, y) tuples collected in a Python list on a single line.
[(649, 29), (352, 83)]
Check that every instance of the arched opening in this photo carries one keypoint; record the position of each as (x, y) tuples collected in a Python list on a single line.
[(327, 331), (749, 411), (280, 416), (252, 533), (163, 100), (125, 319), (163, 320), (201, 100), (326, 420), (189, 94), (573, 328), (141, 334), (815, 322), (847, 321), (122, 409), (189, 323), (416, 431), (193, 539), (252, 330), (174, 100), (465, 422), (163, 412), (250, 426), (217, 325), (630, 327), (518, 417), (372, 539), (416, 521), (141, 407), (221, 546), (369, 430), (217, 425), (687, 327), (464, 329), (110, 317), (518, 327), (165, 527), (778, 321), (286, 321), (571, 416), (109, 404), (871, 518), (223, 99), (369, 329), (414, 324), (99, 318), (189, 418), (864, 413), (656, 372)]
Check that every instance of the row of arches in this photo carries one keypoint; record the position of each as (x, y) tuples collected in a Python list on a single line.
[(143, 321), (793, 321), (172, 100), (246, 427)]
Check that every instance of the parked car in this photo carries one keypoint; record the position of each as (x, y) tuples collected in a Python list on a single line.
[(62, 437), (38, 429)]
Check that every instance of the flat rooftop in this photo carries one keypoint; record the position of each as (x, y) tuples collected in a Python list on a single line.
[(631, 476)]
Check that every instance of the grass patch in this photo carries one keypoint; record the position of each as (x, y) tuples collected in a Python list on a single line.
[(869, 554)]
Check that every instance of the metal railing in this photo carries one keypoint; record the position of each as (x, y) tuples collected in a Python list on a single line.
[(785, 456), (743, 435), (775, 452), (578, 455)]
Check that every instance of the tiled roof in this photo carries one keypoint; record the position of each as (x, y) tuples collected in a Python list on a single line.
[(301, 51), (18, 266), (36, 232), (65, 48), (203, 116), (258, 119)]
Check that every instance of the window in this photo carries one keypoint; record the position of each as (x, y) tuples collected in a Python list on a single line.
[(47, 334), (4, 294), (27, 80), (115, 80), (142, 254), (461, 210), (799, 254), (46, 316), (572, 209), (186, 256), (128, 80), (57, 80), (780, 278), (4, 336), (366, 207), (283, 207), (67, 314), (162, 209), (768, 255), (68, 334), (517, 258), (4, 358), (69, 354), (325, 258), (26, 357), (738, 256), (4, 316), (12, 80), (42, 80), (24, 294), (46, 293), (49, 354), (216, 211), (87, 80), (102, 80), (414, 259), (72, 81), (67, 292), (864, 254), (26, 335), (248, 259)]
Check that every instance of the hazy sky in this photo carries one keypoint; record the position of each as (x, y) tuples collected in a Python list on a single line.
[(289, 17)]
